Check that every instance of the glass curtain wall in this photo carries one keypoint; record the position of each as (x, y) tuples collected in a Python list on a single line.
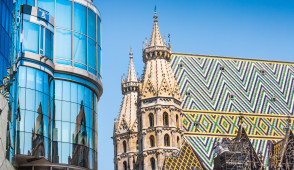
[(33, 113), (74, 133), (6, 8), (77, 40)]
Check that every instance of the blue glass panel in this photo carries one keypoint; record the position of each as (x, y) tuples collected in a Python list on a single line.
[(58, 89), (65, 111), (80, 48), (74, 92), (47, 5), (63, 14), (21, 142), (28, 143), (46, 126), (82, 66), (22, 98), (22, 120), (31, 74), (57, 131), (30, 37), (3, 15), (65, 153), (66, 91), (39, 101), (30, 97), (66, 132), (91, 24), (98, 31), (81, 92), (39, 81), (22, 76), (29, 121), (63, 44), (42, 40), (45, 105), (65, 62), (99, 61), (91, 53), (74, 112), (48, 44), (80, 18), (87, 97), (58, 110)]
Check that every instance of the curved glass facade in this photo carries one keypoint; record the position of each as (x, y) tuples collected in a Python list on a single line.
[(57, 84), (34, 114), (6, 8), (77, 36), (74, 128)]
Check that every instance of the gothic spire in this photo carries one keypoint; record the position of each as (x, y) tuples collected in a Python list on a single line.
[(156, 39), (132, 77)]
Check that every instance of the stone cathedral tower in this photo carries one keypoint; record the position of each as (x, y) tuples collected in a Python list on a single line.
[(125, 128), (159, 105)]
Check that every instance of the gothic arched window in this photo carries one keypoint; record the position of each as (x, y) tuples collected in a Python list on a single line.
[(152, 160), (166, 140), (177, 120), (151, 138), (178, 141), (165, 119), (151, 120), (125, 165), (125, 146)]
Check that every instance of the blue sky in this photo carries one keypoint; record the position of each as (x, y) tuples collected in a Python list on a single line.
[(262, 29)]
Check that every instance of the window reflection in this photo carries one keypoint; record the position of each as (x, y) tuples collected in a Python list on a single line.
[(80, 18), (30, 37), (63, 14), (63, 44), (80, 46), (91, 24), (47, 5)]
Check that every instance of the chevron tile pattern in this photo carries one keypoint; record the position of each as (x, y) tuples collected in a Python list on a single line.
[(262, 90)]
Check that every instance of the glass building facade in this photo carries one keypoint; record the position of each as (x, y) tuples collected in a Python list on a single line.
[(6, 17), (56, 85)]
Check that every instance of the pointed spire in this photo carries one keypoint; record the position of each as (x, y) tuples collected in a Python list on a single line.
[(156, 39), (131, 73)]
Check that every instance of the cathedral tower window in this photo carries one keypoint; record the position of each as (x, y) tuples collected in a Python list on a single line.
[(151, 141), (178, 142), (152, 160), (166, 140), (137, 146), (177, 120), (165, 119), (125, 165), (151, 120), (125, 146)]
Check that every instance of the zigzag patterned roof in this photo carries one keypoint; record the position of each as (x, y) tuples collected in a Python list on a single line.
[(222, 88)]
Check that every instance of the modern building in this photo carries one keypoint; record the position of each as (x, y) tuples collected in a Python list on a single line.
[(55, 84), (233, 113), (6, 18)]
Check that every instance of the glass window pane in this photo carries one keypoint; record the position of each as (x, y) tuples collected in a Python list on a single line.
[(99, 61), (57, 110), (65, 111), (47, 5), (29, 121), (22, 98), (65, 132), (63, 44), (66, 91), (41, 40), (98, 31), (80, 48), (91, 24), (58, 89), (39, 81), (31, 74), (30, 37), (80, 18), (74, 92), (91, 53), (65, 62), (22, 76), (48, 44), (63, 14), (30, 97)]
